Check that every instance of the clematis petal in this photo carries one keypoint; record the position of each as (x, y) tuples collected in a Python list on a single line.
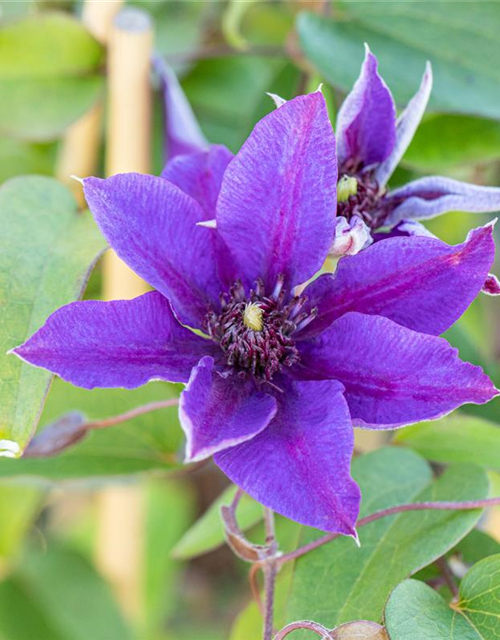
[(200, 175), (432, 196), (393, 376), (406, 125), (299, 466), (419, 282), (366, 123), (350, 237), (276, 208), (182, 131), (124, 343), (405, 229), (151, 224), (217, 413)]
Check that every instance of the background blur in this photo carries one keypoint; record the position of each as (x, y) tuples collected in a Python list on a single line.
[(99, 542)]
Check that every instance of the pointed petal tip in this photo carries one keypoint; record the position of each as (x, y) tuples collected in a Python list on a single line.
[(208, 224), (77, 178), (370, 58), (278, 100), (354, 535)]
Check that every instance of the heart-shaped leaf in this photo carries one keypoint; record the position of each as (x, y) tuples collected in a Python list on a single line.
[(47, 248), (335, 583), (414, 611)]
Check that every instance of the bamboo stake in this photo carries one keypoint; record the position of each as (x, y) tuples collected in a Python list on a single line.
[(121, 517), (78, 153), (129, 124)]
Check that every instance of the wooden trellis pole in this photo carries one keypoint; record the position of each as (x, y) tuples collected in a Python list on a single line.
[(79, 150), (120, 534)]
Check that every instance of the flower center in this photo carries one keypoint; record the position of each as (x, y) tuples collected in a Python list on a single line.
[(255, 332), (358, 194)]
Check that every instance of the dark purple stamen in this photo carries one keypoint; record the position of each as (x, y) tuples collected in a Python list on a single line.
[(365, 203), (260, 353)]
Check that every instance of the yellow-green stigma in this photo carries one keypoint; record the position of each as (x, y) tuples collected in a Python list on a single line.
[(252, 317), (347, 186)]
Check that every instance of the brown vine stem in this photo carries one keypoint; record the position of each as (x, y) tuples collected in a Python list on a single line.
[(304, 624), (270, 570), (415, 506), (72, 428), (254, 586), (133, 413), (449, 578)]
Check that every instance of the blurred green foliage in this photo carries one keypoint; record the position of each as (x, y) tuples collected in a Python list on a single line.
[(228, 55)]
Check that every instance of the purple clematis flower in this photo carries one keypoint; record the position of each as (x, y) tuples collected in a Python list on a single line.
[(370, 144), (276, 374)]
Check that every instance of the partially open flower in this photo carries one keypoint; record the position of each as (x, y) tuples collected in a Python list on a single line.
[(275, 379), (371, 143)]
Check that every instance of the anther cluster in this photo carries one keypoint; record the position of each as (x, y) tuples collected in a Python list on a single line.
[(259, 353), (365, 202)]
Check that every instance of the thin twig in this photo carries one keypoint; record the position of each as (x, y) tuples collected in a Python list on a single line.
[(270, 569), (133, 413), (236, 500), (252, 577), (269, 526), (72, 428), (270, 572), (447, 574), (415, 506), (304, 624)]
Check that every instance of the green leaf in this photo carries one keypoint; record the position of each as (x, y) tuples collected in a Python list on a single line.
[(415, 611), (459, 39), (47, 249), (47, 45), (146, 443), (49, 68), (457, 438), (57, 595), (480, 597), (335, 583), (462, 141), (42, 110), (207, 533)]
